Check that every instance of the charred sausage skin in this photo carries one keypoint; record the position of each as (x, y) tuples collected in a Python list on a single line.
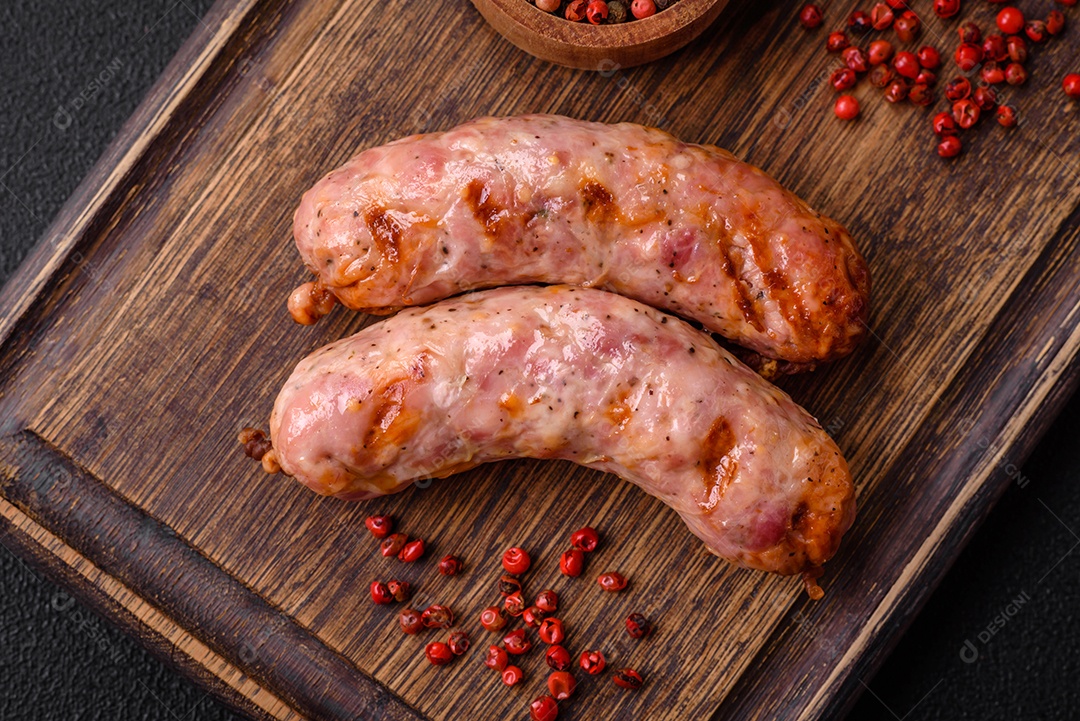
[(547, 199), (577, 374)]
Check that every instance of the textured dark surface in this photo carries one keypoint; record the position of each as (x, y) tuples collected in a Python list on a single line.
[(59, 661)]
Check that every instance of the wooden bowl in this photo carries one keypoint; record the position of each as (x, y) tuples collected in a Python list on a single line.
[(599, 47)]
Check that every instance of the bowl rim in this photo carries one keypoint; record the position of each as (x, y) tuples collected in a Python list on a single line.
[(672, 19)]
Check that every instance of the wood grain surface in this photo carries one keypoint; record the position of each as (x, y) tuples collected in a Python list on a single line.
[(150, 326)]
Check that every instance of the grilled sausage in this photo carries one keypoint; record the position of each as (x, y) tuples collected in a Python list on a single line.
[(546, 199), (577, 374)]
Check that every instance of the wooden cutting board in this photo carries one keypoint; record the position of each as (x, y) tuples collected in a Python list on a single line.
[(150, 326)]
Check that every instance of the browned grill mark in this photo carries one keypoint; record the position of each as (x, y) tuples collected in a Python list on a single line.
[(484, 209), (619, 412), (745, 301), (718, 467), (776, 281), (386, 231), (598, 203)]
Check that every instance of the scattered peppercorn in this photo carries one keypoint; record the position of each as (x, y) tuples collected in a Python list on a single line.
[(411, 551), (1071, 85), (458, 643), (561, 684), (508, 585), (380, 526), (511, 675), (492, 618), (451, 566), (572, 563), (514, 604), (496, 658), (517, 642), (847, 107), (628, 678), (380, 593), (393, 544), (551, 631), (811, 16), (950, 146), (532, 617), (638, 626), (437, 616), (1006, 116), (438, 653), (400, 590), (516, 561), (585, 539), (612, 581), (544, 708), (592, 662), (410, 621), (547, 601), (557, 658)]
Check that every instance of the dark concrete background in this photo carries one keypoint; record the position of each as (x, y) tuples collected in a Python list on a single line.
[(59, 661)]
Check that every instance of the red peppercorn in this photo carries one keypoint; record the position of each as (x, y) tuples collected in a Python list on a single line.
[(958, 89), (946, 8), (985, 98), (514, 604), (592, 662), (511, 675), (842, 79), (1015, 74), (532, 617), (846, 108), (926, 78), (450, 566), (881, 76), (836, 41), (412, 551), (380, 526), (393, 544), (400, 590), (458, 643), (950, 146), (907, 26), (1055, 22), (1006, 116), (438, 653), (551, 631), (945, 124), (1036, 31), (859, 21), (992, 73), (969, 33), (995, 48), (516, 561), (1017, 48), (410, 621), (897, 91), (880, 51), (1010, 20), (929, 57), (968, 55), (638, 626), (612, 581), (965, 113), (596, 12), (907, 64), (516, 642), (508, 585), (855, 59), (811, 16), (492, 618), (628, 678), (561, 684), (547, 601), (558, 658), (380, 593), (881, 16), (437, 616), (642, 9), (544, 709), (1071, 85), (496, 658), (572, 563), (575, 11)]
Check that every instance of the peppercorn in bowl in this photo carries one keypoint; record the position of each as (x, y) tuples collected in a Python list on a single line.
[(601, 35)]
